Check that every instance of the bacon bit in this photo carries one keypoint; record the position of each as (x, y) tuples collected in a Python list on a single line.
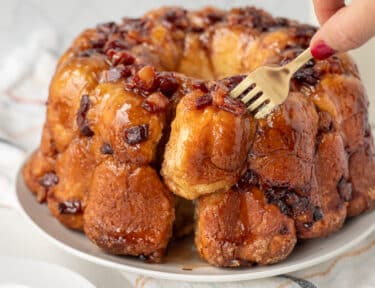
[(82, 122), (156, 102), (233, 106), (145, 79), (97, 42), (203, 101), (214, 17), (171, 16), (70, 207), (250, 17), (120, 57), (307, 75), (168, 84), (177, 18), (200, 85), (107, 28), (116, 44), (136, 134), (223, 101)]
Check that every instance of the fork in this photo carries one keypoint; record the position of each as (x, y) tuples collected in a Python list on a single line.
[(268, 87)]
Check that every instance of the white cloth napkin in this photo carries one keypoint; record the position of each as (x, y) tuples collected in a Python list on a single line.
[(24, 80)]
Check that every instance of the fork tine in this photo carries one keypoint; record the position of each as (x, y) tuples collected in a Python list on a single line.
[(264, 111), (242, 86), (251, 94), (257, 103)]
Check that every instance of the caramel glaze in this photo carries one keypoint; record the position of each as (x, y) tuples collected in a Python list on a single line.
[(140, 109)]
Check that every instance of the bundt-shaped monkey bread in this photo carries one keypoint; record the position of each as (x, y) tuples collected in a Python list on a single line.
[(139, 123)]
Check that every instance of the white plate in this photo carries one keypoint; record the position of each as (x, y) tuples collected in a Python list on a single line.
[(184, 265), (27, 273)]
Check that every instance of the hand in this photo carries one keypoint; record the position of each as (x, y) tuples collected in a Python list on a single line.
[(342, 27)]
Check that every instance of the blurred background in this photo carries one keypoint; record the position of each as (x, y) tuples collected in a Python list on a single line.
[(34, 33)]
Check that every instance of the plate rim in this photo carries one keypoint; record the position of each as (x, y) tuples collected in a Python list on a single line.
[(184, 275)]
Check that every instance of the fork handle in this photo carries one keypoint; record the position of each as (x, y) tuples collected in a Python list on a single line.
[(299, 61)]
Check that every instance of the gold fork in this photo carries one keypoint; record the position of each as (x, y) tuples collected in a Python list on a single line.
[(268, 87)]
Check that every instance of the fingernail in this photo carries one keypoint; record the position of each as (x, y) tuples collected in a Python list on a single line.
[(321, 50)]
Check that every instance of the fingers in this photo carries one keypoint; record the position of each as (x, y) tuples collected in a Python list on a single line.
[(324, 9), (348, 28)]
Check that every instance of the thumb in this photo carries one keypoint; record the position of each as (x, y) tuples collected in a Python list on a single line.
[(349, 28)]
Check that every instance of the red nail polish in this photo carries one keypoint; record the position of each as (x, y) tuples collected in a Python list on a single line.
[(321, 50)]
